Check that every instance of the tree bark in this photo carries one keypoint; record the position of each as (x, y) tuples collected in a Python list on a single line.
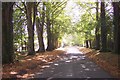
[(49, 32), (116, 22), (30, 29), (7, 33), (39, 27), (49, 36), (87, 43), (103, 29), (40, 36), (97, 35), (41, 30), (90, 43)]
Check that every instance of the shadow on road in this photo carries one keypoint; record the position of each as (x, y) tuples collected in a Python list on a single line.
[(73, 64)]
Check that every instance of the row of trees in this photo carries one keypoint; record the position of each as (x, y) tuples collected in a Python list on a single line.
[(106, 28), (98, 29), (101, 27), (24, 17)]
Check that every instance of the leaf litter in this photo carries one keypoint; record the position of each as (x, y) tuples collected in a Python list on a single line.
[(29, 65), (107, 60)]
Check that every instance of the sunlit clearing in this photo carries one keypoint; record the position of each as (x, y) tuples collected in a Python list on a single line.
[(73, 50)]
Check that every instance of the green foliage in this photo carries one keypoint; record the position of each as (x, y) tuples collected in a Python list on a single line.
[(19, 25)]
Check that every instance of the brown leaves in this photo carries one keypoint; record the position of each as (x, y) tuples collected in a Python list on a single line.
[(28, 66), (108, 61)]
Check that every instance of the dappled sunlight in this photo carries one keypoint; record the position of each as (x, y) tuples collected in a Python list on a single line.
[(107, 60), (31, 64), (39, 58), (56, 64), (13, 72), (87, 69), (25, 76), (39, 73), (52, 71), (83, 66), (73, 57), (46, 66), (69, 75), (41, 35), (29, 59), (97, 54), (68, 61)]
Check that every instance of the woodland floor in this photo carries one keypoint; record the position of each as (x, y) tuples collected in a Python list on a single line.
[(27, 67)]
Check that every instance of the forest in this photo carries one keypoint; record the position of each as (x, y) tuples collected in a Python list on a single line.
[(29, 28)]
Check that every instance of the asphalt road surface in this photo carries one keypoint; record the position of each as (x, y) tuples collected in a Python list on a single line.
[(73, 64)]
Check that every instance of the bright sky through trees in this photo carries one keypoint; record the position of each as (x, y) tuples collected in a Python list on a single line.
[(72, 9)]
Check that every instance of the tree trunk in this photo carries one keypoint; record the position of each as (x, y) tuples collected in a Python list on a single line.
[(49, 32), (42, 26), (40, 36), (39, 27), (7, 33), (116, 23), (90, 43), (87, 43), (30, 29), (97, 35), (49, 36), (103, 29)]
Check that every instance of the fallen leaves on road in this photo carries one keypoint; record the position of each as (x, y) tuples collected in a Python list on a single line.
[(108, 61), (27, 67)]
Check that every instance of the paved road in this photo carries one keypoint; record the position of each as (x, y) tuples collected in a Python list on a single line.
[(73, 65)]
